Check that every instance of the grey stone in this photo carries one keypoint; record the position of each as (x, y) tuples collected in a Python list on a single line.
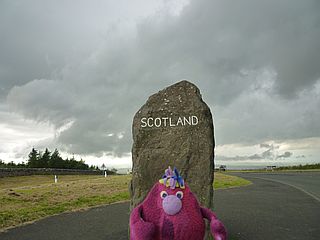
[(189, 145)]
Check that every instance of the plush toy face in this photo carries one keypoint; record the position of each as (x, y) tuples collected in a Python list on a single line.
[(170, 201), (171, 204)]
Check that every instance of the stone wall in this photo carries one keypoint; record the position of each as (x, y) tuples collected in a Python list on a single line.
[(11, 172)]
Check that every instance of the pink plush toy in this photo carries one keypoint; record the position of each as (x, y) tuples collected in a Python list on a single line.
[(172, 212)]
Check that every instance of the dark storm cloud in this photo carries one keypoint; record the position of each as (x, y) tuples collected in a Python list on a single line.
[(31, 47), (39, 37), (225, 39), (256, 62)]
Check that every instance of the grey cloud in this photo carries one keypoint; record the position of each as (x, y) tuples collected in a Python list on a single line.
[(226, 158), (265, 145), (39, 37), (253, 157), (43, 100), (215, 40), (254, 61), (285, 155), (258, 115), (270, 154), (239, 158), (267, 154)]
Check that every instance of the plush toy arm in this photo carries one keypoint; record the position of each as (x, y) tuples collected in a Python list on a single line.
[(217, 228), (139, 229)]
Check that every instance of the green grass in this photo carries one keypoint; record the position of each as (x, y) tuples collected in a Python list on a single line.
[(222, 181), (28, 198)]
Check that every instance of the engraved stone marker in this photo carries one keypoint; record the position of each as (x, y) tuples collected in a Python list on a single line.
[(173, 128)]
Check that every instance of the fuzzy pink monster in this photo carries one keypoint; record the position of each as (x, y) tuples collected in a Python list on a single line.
[(172, 212)]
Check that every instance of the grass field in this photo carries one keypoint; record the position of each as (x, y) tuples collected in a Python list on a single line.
[(29, 198), (227, 181)]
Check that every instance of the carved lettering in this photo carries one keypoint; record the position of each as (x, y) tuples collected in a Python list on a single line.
[(169, 121)]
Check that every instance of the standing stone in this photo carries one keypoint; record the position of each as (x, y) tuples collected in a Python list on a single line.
[(173, 128)]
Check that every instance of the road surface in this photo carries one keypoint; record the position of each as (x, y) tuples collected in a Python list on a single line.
[(309, 182)]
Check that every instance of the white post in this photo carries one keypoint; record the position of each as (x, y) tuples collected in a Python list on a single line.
[(105, 173), (55, 179)]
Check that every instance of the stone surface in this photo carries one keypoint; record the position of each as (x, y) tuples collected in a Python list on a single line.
[(162, 139)]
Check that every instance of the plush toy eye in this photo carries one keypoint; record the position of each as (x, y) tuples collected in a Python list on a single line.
[(163, 194), (179, 195)]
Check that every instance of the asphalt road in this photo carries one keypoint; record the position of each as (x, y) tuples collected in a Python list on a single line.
[(276, 206), (265, 210), (309, 182)]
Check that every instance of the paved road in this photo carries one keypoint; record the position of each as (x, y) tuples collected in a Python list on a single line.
[(269, 209), (262, 211), (309, 182), (102, 223)]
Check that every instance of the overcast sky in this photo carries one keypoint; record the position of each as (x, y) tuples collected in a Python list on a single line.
[(73, 74)]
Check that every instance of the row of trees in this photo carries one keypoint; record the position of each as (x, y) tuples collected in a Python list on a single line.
[(300, 167), (47, 159), (53, 160), (11, 165)]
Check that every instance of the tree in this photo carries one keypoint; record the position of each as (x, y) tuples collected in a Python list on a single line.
[(33, 159), (2, 164), (56, 161), (45, 159), (38, 159), (11, 164)]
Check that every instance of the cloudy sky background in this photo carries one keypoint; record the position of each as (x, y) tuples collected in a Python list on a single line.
[(73, 73)]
